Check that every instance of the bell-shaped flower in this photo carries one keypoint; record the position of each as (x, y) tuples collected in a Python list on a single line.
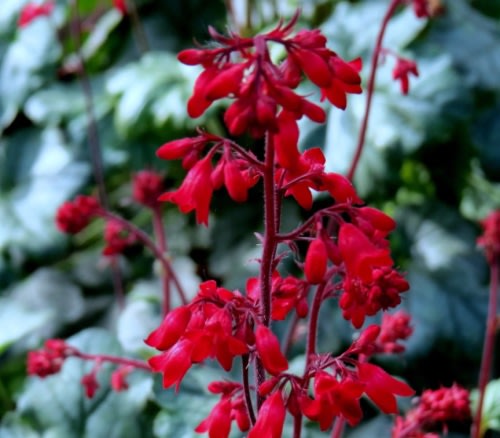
[(268, 348), (270, 419)]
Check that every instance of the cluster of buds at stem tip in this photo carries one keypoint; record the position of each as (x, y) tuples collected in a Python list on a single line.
[(74, 216), (50, 359), (433, 411)]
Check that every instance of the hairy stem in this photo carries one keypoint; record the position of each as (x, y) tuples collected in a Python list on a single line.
[(488, 347), (268, 251), (371, 86), (312, 332)]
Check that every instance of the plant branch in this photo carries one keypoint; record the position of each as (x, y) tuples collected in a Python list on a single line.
[(159, 232), (139, 364), (146, 240), (246, 389), (488, 347), (371, 86)]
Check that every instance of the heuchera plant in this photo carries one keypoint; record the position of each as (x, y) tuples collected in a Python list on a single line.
[(341, 251)]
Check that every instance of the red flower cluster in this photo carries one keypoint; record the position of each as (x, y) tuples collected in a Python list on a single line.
[(394, 327), (230, 408), (147, 186), (48, 360), (490, 239), (32, 11), (217, 324), (435, 408), (117, 238), (287, 294), (73, 216), (243, 68)]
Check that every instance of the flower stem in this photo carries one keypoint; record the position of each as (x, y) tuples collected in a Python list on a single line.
[(488, 347), (146, 240), (94, 143), (297, 426), (246, 389), (338, 427), (138, 364), (159, 232), (371, 86), (268, 251), (312, 332)]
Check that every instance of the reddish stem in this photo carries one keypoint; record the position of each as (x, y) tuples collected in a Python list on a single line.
[(297, 426), (313, 323), (146, 240), (371, 86), (159, 232), (488, 347), (246, 389), (268, 251), (139, 364), (338, 427)]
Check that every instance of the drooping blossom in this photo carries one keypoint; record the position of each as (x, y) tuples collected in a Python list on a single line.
[(316, 261), (195, 192), (333, 398), (381, 387), (270, 354), (270, 419), (31, 11), (119, 378), (401, 72), (90, 384)]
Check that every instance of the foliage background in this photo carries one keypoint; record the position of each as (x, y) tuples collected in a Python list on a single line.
[(432, 160)]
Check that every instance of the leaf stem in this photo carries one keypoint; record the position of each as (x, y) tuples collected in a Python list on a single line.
[(488, 347), (371, 86)]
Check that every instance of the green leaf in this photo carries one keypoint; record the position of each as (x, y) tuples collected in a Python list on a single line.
[(448, 297), (151, 92), (57, 406), (472, 40), (28, 62), (480, 196), (490, 419), (37, 174)]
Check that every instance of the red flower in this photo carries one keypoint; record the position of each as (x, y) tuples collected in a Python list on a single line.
[(121, 5), (218, 422), (359, 254), (90, 384), (147, 186), (174, 363), (381, 387), (333, 398), (394, 327), (401, 71), (48, 360), (119, 378), (270, 354), (195, 192), (73, 216), (32, 11), (117, 238), (171, 329), (270, 419), (443, 405), (316, 261), (260, 87)]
